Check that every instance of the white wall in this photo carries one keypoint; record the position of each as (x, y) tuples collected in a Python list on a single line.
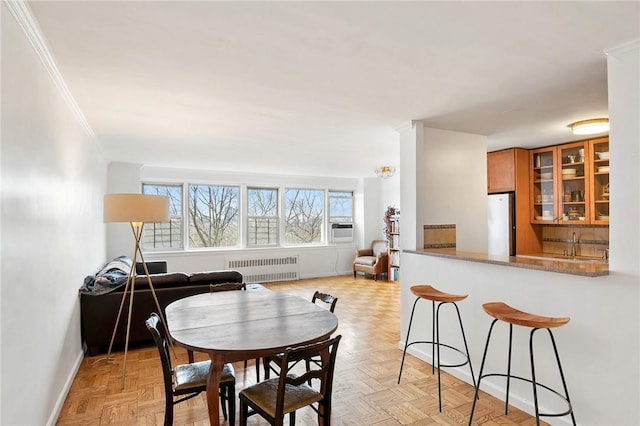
[(453, 187), (315, 261), (623, 68), (410, 153), (53, 179), (123, 178)]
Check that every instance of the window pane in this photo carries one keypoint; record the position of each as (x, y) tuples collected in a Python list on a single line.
[(213, 216), (169, 234), (262, 217), (340, 207), (304, 216)]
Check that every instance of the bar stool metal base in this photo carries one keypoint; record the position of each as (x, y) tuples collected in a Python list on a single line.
[(532, 380), (436, 344)]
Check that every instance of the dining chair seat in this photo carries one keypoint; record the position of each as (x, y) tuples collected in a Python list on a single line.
[(189, 376), (264, 394)]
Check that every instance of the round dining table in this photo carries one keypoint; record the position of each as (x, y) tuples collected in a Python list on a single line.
[(232, 326)]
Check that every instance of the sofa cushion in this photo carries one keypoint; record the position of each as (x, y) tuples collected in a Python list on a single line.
[(173, 279), (215, 277), (365, 260), (154, 267)]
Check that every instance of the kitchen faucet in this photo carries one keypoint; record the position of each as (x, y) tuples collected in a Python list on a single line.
[(573, 245)]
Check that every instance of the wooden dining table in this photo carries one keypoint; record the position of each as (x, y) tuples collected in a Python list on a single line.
[(233, 326)]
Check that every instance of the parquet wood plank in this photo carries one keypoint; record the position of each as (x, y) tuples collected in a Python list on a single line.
[(365, 392)]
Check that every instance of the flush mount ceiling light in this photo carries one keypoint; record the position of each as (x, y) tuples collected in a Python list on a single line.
[(385, 172), (590, 127)]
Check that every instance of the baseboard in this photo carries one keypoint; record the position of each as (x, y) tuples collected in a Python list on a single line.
[(499, 392), (65, 391)]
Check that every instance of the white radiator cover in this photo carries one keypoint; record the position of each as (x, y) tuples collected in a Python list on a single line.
[(266, 269)]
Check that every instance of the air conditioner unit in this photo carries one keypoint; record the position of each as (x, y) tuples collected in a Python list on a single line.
[(341, 232)]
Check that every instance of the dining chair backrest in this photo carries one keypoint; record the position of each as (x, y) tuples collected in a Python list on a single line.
[(226, 287), (156, 328), (327, 351), (326, 298)]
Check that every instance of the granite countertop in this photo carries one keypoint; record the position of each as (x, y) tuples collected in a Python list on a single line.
[(592, 268)]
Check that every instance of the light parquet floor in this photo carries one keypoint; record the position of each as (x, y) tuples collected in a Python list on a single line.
[(365, 389)]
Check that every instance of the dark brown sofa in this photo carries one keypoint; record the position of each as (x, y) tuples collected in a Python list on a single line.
[(98, 313)]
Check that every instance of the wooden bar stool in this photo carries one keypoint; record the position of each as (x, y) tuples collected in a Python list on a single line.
[(503, 312), (427, 292)]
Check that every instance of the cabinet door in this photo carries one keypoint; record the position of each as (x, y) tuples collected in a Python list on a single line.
[(501, 171), (543, 185), (599, 185), (573, 182)]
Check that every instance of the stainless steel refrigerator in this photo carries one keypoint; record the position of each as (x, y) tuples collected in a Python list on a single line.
[(502, 224)]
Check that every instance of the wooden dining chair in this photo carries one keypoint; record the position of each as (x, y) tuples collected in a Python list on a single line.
[(189, 380), (274, 398), (268, 362)]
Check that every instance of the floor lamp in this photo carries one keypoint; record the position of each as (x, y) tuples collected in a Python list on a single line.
[(136, 209)]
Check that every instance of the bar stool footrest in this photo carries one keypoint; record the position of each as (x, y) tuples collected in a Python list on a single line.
[(446, 346), (565, 413)]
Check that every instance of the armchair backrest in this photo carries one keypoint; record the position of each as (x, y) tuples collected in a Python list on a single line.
[(379, 246)]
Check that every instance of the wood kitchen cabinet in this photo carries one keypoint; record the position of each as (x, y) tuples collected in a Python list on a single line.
[(570, 183), (573, 183), (501, 171), (508, 171), (599, 181), (543, 177)]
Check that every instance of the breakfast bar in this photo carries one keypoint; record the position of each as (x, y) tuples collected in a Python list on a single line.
[(597, 355), (588, 267)]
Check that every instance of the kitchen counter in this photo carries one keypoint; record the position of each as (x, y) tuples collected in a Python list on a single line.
[(592, 268)]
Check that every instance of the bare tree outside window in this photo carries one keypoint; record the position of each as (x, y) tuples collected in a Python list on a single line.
[(304, 210), (213, 216), (262, 216), (169, 234), (340, 207)]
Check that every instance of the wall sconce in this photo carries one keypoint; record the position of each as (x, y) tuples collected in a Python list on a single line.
[(385, 172), (590, 127)]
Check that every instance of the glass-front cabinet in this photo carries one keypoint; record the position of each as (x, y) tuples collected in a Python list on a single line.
[(599, 185), (573, 182), (543, 185)]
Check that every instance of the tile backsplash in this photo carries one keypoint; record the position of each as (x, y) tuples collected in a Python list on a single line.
[(440, 236), (591, 240)]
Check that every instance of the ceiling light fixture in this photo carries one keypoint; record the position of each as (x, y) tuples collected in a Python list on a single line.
[(385, 172), (590, 127)]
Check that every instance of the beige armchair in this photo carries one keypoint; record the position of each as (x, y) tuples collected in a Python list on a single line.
[(374, 260)]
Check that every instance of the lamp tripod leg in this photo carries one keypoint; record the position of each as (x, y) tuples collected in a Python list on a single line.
[(115, 328), (155, 298)]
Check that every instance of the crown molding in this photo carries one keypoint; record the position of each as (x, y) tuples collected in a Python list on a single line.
[(22, 13), (624, 48)]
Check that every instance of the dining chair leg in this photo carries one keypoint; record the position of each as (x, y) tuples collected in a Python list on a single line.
[(244, 413), (257, 370), (224, 402), (168, 411), (231, 401)]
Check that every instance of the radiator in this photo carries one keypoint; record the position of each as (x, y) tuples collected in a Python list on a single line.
[(266, 269)]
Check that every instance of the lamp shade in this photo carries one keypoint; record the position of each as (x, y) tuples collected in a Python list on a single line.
[(136, 208)]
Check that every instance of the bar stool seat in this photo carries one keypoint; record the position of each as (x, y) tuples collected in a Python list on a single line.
[(427, 292), (503, 312), (506, 313), (430, 293)]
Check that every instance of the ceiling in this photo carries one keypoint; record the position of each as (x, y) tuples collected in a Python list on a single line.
[(318, 88)]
